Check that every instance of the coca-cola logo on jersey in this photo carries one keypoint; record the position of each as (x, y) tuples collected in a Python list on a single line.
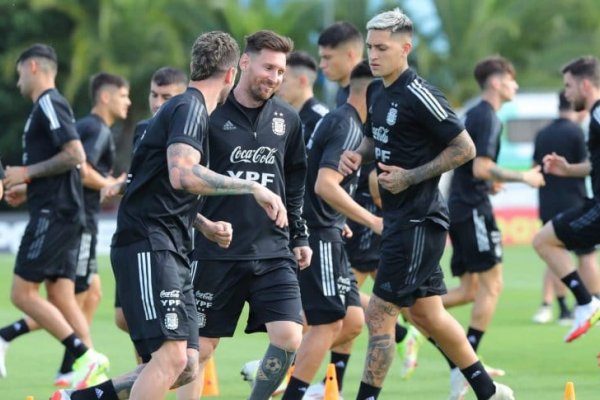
[(262, 155)]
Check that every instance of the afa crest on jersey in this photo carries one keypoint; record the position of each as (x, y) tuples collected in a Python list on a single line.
[(171, 321), (278, 124), (392, 115)]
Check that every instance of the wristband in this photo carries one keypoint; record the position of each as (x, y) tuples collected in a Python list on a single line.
[(27, 179)]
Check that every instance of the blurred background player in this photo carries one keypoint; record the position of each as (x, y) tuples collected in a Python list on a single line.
[(564, 137)]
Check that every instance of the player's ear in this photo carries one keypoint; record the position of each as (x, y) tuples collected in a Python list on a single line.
[(244, 61), (230, 75)]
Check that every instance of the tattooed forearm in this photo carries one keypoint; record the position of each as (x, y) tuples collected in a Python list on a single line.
[(199, 222), (505, 175), (71, 155), (379, 359), (460, 150), (217, 184)]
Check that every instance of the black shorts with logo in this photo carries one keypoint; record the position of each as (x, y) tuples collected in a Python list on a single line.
[(221, 287), (584, 251), (327, 284), (410, 262), (48, 249), (155, 291), (579, 227), (476, 243), (87, 265), (363, 247)]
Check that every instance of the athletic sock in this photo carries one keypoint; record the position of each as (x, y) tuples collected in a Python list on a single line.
[(67, 362), (480, 381), (367, 392), (562, 305), (74, 345), (576, 286), (271, 371), (450, 363), (401, 332), (474, 337), (14, 330), (295, 389), (104, 391), (341, 362)]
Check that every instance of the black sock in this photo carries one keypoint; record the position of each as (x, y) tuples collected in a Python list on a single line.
[(367, 392), (341, 362), (450, 363), (400, 332), (74, 345), (480, 381), (14, 330), (67, 362), (104, 391), (474, 337), (573, 282), (295, 389), (562, 305)]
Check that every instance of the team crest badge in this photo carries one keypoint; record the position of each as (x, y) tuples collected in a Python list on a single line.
[(171, 321), (392, 114), (278, 124)]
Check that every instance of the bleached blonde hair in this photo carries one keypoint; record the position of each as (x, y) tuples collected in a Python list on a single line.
[(394, 21)]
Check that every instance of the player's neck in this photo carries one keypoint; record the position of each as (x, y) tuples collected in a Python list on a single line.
[(210, 91), (358, 101), (41, 88), (592, 99), (242, 96), (394, 75), (493, 99), (298, 103), (105, 115)]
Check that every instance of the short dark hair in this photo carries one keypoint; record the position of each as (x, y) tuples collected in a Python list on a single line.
[(302, 59), (268, 40), (361, 71), (102, 79), (586, 67), (212, 53), (339, 33), (38, 50), (491, 66), (563, 103), (169, 76)]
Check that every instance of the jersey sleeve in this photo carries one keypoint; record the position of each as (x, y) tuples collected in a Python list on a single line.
[(480, 126), (580, 150), (60, 119), (188, 124), (94, 139), (434, 112), (337, 136)]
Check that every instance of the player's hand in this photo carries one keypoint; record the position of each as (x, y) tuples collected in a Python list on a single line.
[(15, 176), (497, 187), (347, 232), (534, 177), (555, 165), (377, 225), (16, 195), (393, 179), (303, 256), (349, 162), (219, 232), (272, 204), (110, 192)]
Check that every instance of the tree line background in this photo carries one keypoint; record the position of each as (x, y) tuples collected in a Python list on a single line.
[(135, 37)]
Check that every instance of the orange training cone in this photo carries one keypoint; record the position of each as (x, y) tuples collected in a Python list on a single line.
[(211, 384), (569, 391), (332, 391)]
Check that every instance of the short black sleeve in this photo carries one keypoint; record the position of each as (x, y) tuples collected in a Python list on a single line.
[(481, 125), (95, 137), (188, 124), (60, 119)]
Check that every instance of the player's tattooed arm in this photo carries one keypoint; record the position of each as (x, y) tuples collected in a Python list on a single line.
[(366, 149), (380, 352)]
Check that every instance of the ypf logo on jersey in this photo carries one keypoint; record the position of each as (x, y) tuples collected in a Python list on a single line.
[(278, 124), (392, 114)]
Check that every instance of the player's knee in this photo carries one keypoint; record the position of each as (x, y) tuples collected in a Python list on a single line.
[(354, 322), (539, 242), (120, 320), (190, 372)]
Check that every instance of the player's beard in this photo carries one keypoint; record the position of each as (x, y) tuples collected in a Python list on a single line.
[(257, 94), (578, 104)]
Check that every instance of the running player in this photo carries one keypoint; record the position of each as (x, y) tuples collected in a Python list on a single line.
[(415, 137)]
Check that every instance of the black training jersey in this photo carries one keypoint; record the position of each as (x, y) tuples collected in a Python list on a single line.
[(271, 152), (466, 191), (310, 114), (594, 148), (99, 148), (150, 207), (138, 132), (50, 125), (342, 95), (1, 170), (338, 131), (563, 137), (411, 123)]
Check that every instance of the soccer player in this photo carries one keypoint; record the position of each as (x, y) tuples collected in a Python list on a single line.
[(415, 137), (257, 137), (476, 240), (156, 214), (166, 82), (297, 90), (578, 227), (327, 284), (52, 153), (564, 137)]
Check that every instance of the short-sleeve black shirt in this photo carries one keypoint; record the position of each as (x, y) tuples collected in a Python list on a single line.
[(50, 125), (310, 114), (138, 131), (99, 147), (151, 208), (411, 123), (338, 131), (594, 148), (466, 191)]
